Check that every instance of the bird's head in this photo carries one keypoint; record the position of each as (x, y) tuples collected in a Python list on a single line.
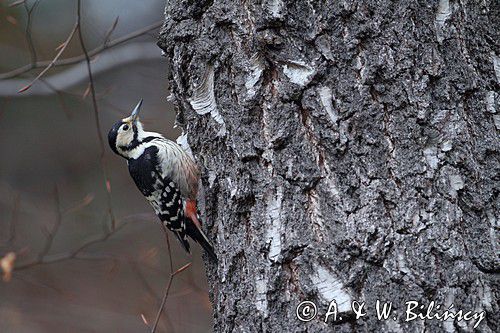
[(125, 135)]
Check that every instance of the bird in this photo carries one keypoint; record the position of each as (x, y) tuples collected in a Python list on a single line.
[(165, 174)]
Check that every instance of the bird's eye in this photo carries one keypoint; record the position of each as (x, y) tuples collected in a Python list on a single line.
[(125, 128)]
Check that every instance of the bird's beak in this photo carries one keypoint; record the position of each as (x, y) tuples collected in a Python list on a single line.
[(135, 114)]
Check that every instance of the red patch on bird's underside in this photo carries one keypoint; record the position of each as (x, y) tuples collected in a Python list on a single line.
[(191, 212)]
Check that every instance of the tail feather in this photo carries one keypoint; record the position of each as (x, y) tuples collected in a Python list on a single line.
[(199, 236), (184, 242)]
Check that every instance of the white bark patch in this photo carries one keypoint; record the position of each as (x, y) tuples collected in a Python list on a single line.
[(299, 72), (491, 97), (171, 98), (456, 182), (268, 154), (211, 178), (494, 225), (330, 287), (401, 260), (446, 146), (360, 65), (233, 190), (448, 325), (439, 117), (275, 8), (496, 66), (203, 99), (496, 120), (326, 97), (442, 14), (256, 69), (332, 186), (273, 214), (182, 141), (316, 214), (325, 47), (487, 297), (261, 295), (430, 154)]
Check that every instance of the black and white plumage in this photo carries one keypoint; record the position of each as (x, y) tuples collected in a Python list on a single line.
[(165, 174)]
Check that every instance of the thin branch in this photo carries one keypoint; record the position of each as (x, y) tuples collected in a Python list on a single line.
[(118, 57), (72, 254), (80, 204), (147, 286), (15, 3), (165, 295), (165, 232), (96, 115), (170, 280), (77, 59), (29, 38), (91, 78), (110, 31), (61, 50)]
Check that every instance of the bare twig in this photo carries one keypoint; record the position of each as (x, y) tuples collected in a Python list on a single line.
[(77, 59), (15, 3), (118, 57), (80, 204), (165, 232), (96, 115), (170, 280), (165, 295), (29, 38), (147, 286), (110, 31), (72, 254), (49, 66)]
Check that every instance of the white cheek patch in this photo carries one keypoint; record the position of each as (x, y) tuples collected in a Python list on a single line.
[(124, 138)]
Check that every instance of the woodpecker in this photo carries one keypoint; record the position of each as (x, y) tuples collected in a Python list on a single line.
[(165, 174)]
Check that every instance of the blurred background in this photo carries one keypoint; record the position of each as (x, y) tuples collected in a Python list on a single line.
[(72, 271)]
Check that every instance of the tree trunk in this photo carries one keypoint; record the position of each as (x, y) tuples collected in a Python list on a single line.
[(349, 151)]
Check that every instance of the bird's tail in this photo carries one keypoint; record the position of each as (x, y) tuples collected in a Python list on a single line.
[(181, 236), (199, 236)]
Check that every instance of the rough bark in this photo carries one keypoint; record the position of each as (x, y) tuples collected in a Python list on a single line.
[(349, 151)]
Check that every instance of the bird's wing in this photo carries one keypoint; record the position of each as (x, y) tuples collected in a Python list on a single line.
[(161, 192), (180, 167)]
